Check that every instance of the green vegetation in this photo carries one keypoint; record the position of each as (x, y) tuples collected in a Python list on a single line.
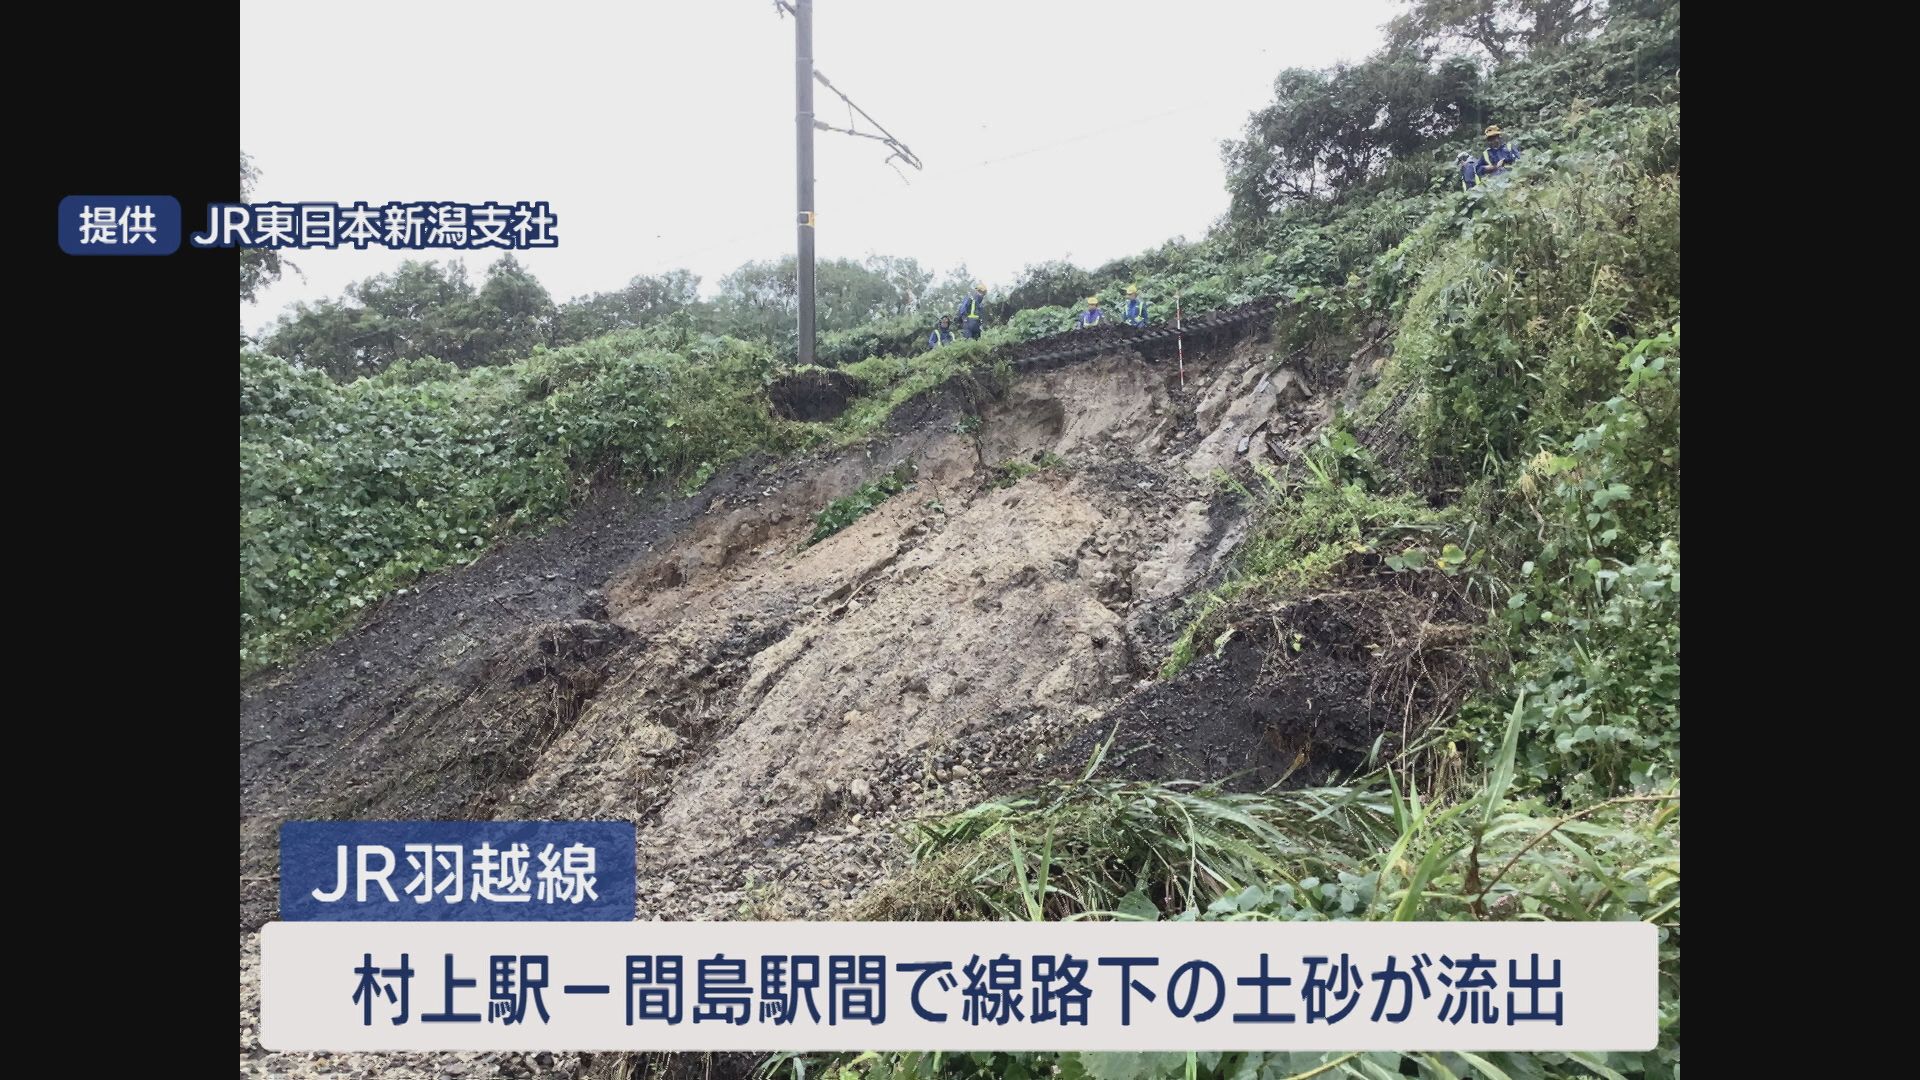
[(259, 267), (1013, 470), (1534, 386), (893, 380), (1136, 851), (882, 305), (848, 509), (349, 491), (1534, 391), (1365, 851), (1305, 529)]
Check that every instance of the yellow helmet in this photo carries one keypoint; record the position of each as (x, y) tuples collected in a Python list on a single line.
[(1494, 132), (979, 286), (1093, 301), (1133, 290)]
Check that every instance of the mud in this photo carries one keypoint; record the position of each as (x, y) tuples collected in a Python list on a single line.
[(768, 712), (813, 394), (1307, 691)]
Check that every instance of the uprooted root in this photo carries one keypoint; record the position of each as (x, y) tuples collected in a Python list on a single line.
[(1304, 688), (1382, 657)]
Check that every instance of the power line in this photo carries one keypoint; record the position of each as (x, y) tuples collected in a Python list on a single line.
[(900, 150), (805, 75)]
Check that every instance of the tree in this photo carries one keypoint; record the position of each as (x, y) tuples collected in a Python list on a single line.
[(944, 294), (645, 299), (259, 267), (1329, 131), (760, 302), (511, 314), (1503, 29), (1050, 284), (420, 309), (847, 293), (908, 281), (344, 340)]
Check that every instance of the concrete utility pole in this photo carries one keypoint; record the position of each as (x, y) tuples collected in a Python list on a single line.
[(804, 76), (803, 133)]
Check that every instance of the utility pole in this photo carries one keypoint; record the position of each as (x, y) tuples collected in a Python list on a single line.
[(803, 133), (804, 76)]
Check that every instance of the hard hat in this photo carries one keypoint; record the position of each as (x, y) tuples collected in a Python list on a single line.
[(1093, 301), (1463, 157), (1494, 131), (1133, 290), (979, 286)]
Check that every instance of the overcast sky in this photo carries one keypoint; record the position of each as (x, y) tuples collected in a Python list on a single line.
[(662, 133)]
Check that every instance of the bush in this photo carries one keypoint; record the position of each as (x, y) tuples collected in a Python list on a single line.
[(848, 509), (1512, 329), (349, 491)]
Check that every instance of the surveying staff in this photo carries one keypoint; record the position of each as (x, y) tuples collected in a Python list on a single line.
[(1498, 155), (1092, 314), (972, 310)]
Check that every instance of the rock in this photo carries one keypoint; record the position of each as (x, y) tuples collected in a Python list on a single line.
[(860, 789)]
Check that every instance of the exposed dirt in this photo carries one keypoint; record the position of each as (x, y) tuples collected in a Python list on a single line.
[(321, 735), (765, 711), (813, 394), (1297, 692)]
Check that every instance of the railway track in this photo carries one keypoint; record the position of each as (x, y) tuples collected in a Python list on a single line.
[(822, 394), (1150, 342)]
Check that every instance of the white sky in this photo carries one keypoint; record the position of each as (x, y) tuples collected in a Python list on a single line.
[(662, 133)]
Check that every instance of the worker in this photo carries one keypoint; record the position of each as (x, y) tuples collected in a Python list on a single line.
[(1136, 310), (942, 334), (1498, 155), (1092, 315), (972, 310), (1467, 169)]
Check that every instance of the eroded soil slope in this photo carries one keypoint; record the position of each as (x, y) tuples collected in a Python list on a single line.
[(764, 709)]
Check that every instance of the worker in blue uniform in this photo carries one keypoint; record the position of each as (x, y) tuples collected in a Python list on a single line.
[(1091, 317), (1497, 156), (972, 310), (1468, 170)]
